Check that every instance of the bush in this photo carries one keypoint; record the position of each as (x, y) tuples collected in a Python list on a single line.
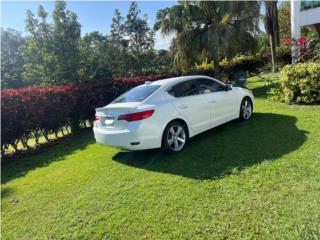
[(250, 64), (228, 68), (31, 112), (298, 84)]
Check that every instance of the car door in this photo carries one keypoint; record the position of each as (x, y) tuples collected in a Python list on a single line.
[(191, 105), (220, 99)]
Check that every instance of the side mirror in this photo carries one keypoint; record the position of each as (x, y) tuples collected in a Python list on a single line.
[(229, 87)]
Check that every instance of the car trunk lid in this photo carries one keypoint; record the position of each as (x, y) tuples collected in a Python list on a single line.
[(107, 117)]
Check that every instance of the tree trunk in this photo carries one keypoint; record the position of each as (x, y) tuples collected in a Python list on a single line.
[(15, 146), (272, 28), (273, 50), (216, 68), (276, 24), (75, 127), (62, 132), (36, 136)]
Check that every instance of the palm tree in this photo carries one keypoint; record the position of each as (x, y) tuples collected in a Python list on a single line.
[(272, 27), (209, 29)]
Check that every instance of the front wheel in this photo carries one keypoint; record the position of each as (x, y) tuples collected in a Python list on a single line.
[(245, 109), (175, 137)]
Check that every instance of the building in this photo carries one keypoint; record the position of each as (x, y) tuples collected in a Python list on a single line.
[(303, 13)]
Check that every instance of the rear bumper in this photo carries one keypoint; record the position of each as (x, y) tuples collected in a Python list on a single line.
[(126, 139)]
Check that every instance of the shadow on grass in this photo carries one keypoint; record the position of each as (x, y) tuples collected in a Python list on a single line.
[(261, 92), (22, 164), (226, 149)]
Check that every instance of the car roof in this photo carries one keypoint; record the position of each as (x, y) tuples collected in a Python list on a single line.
[(169, 81)]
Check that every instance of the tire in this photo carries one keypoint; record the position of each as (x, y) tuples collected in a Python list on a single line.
[(245, 109), (175, 137)]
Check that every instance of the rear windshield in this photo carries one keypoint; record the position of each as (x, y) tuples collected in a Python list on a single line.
[(137, 94)]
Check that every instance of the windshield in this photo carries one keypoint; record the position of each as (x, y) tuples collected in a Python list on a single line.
[(137, 94)]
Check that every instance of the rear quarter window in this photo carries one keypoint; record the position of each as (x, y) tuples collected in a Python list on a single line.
[(137, 94)]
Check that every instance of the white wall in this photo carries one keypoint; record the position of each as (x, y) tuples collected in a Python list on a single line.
[(310, 16)]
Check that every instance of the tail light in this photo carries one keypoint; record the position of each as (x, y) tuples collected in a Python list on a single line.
[(136, 116), (97, 118)]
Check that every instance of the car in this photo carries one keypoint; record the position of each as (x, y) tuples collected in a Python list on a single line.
[(167, 113)]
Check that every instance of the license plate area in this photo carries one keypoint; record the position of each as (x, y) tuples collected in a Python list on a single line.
[(108, 121)]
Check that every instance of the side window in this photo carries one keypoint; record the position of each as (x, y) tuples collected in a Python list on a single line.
[(187, 88), (209, 86)]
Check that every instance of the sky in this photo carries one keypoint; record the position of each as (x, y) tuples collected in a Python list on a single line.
[(93, 15)]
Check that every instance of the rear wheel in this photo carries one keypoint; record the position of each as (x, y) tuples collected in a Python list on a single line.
[(175, 137), (245, 109)]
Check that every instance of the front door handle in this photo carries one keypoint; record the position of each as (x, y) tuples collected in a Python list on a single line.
[(183, 106), (212, 101)]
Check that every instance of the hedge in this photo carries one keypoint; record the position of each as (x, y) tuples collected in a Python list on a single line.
[(39, 111)]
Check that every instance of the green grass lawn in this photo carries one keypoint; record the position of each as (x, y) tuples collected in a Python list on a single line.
[(244, 180)]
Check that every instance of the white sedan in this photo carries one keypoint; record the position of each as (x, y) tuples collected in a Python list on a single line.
[(166, 113)]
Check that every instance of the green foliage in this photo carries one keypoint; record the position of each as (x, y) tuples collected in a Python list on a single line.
[(298, 84), (140, 36), (263, 44), (11, 59), (131, 43), (209, 29), (284, 15), (205, 65), (250, 64), (95, 63), (52, 53)]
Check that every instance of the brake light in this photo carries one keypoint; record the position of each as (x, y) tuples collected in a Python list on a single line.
[(136, 116), (97, 118)]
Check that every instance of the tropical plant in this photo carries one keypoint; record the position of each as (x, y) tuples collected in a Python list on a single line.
[(209, 29)]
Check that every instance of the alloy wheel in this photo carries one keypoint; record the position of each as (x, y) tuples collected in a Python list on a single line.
[(246, 109), (176, 138)]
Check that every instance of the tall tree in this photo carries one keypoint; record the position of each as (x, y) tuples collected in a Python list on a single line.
[(37, 49), (52, 50), (284, 20), (118, 52), (272, 27), (11, 59), (211, 30), (131, 42), (140, 36), (66, 37), (94, 63), (117, 30)]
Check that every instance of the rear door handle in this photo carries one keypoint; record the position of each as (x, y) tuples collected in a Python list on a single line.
[(212, 101), (183, 106)]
